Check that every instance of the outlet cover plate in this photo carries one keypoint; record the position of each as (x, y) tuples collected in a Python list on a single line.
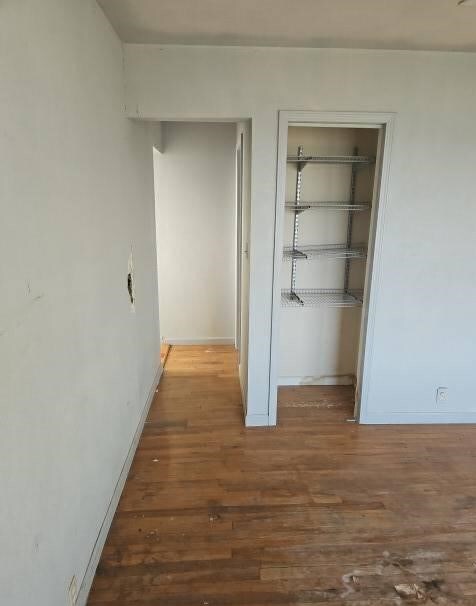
[(441, 395)]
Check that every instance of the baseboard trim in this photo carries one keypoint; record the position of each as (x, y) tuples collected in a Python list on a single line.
[(111, 510), (204, 341), (243, 396), (419, 418), (309, 380), (257, 421)]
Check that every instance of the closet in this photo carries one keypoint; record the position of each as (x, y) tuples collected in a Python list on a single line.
[(330, 190)]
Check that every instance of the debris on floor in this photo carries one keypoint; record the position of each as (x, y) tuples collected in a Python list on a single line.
[(403, 577), (351, 583), (410, 591)]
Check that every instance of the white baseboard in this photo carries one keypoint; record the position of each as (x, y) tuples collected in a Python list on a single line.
[(243, 395), (325, 380), (111, 510), (257, 421), (418, 418), (273, 418), (204, 341)]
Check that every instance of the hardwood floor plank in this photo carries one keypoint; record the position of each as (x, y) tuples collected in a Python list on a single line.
[(315, 511)]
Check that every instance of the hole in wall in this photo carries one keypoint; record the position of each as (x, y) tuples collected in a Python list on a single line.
[(129, 287), (130, 281)]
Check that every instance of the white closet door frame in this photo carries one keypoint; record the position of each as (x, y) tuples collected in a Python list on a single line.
[(385, 122)]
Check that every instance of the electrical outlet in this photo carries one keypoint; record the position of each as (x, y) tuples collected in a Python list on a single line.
[(441, 395), (73, 592)]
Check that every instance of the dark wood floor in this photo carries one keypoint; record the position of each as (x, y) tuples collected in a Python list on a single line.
[(316, 511)]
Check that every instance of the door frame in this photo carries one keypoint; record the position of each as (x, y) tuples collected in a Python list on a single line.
[(385, 121), (239, 241)]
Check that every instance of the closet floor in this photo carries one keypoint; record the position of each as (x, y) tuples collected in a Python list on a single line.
[(315, 511), (316, 403)]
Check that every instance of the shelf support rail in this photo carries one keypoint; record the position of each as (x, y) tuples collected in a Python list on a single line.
[(350, 222), (300, 166)]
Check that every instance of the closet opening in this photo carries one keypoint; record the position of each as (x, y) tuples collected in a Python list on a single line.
[(328, 206)]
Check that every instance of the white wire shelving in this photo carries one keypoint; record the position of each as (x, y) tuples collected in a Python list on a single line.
[(330, 205), (356, 159), (330, 251), (348, 251), (319, 297)]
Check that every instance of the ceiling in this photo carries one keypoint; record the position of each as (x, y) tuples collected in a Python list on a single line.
[(387, 24)]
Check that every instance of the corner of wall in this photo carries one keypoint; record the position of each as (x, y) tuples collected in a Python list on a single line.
[(257, 420)]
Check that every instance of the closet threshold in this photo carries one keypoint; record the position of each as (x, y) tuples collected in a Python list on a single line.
[(302, 159), (337, 205), (332, 251), (321, 297)]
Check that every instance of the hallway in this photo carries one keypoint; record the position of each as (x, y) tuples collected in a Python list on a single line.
[(317, 510)]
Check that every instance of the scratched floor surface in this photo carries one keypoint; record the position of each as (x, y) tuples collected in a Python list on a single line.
[(316, 511)]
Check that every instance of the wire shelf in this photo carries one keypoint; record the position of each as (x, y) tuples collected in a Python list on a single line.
[(321, 297), (357, 206), (332, 251), (331, 159)]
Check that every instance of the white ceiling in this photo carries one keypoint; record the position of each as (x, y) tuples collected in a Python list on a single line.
[(391, 24)]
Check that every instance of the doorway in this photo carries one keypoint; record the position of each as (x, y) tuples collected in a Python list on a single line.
[(239, 238), (330, 198), (201, 175)]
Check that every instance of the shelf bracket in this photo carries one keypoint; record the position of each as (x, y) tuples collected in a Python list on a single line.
[(350, 222), (297, 254), (294, 297), (300, 166)]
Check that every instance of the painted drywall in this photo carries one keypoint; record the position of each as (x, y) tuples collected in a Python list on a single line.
[(243, 137), (196, 233), (77, 364), (423, 334), (320, 345)]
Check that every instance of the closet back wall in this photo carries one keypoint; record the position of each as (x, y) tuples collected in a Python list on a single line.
[(195, 214)]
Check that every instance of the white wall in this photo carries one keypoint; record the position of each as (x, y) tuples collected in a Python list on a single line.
[(196, 233), (76, 364), (423, 335)]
